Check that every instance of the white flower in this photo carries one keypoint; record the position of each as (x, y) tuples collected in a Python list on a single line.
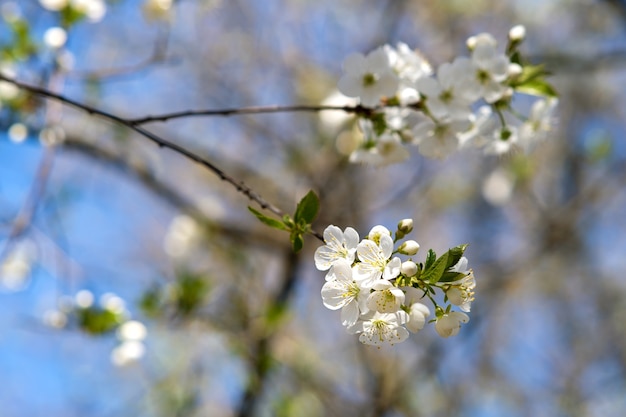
[(418, 313), (339, 245), (377, 232), (386, 298), (490, 69), (539, 122), (382, 328), (449, 324), (438, 140), (410, 66), (379, 150), (501, 141), (461, 293), (374, 261), (368, 77), (450, 95), (482, 126), (341, 291)]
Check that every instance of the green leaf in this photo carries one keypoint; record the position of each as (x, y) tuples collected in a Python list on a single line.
[(450, 276), (297, 242), (529, 73), (455, 254), (537, 87), (434, 273), (307, 208), (276, 224), (430, 259)]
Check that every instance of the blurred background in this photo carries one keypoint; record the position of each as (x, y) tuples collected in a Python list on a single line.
[(135, 282)]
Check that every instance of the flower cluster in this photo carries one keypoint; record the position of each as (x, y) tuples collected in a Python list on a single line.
[(440, 111), (380, 295)]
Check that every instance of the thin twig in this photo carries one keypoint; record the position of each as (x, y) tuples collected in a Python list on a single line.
[(249, 110), (240, 186)]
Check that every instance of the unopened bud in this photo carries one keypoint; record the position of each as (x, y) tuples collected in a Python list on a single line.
[(514, 70), (410, 247), (405, 226), (408, 268), (471, 42), (517, 33)]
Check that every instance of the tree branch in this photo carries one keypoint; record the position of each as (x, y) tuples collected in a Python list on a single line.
[(249, 110), (240, 186)]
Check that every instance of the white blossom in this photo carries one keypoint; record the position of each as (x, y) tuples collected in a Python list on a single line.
[(382, 328), (418, 313), (490, 69), (438, 140), (374, 261), (386, 298), (379, 150), (339, 245), (539, 122), (461, 291), (449, 95), (342, 292), (449, 324), (368, 77)]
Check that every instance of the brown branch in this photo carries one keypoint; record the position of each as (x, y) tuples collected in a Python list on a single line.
[(240, 186), (250, 110)]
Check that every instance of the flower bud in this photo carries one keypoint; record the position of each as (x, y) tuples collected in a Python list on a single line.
[(514, 70), (405, 226), (471, 42), (408, 268), (517, 33), (410, 247)]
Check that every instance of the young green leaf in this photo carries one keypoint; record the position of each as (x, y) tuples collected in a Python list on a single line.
[(537, 87), (307, 208), (434, 273), (430, 259), (450, 276), (297, 242), (455, 254), (276, 224)]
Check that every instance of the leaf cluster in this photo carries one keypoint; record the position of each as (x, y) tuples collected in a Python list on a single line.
[(299, 224)]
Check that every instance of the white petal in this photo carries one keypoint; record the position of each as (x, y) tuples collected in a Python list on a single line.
[(378, 61), (428, 86), (350, 314), (386, 244), (350, 85), (332, 295)]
